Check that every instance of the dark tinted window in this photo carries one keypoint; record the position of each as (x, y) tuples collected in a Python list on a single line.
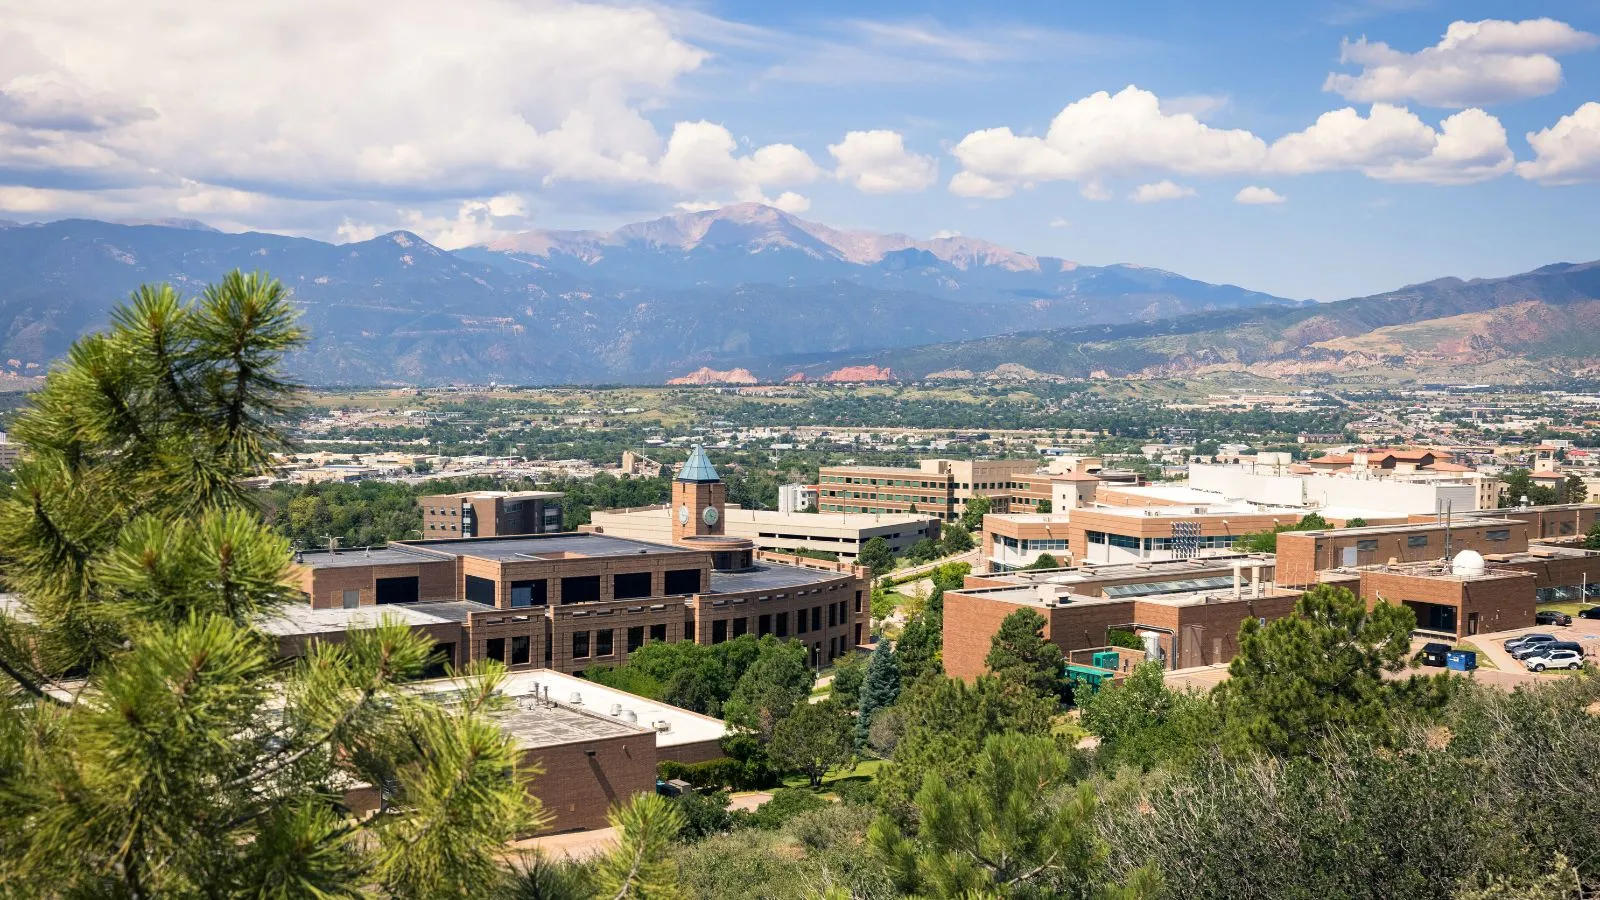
[(683, 581), (719, 631), (630, 585), (480, 590), (602, 643), (635, 638), (398, 590), (581, 589), (520, 650), (495, 649), (529, 593), (580, 645)]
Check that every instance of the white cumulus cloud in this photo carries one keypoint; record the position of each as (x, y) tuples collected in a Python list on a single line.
[(1475, 64), (1568, 151), (1104, 135), (703, 156), (1393, 144), (1158, 191), (877, 162), (1258, 196)]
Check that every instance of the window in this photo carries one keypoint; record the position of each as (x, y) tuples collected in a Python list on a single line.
[(480, 590), (658, 632), (580, 589), (683, 581), (529, 593), (740, 626), (719, 631), (1367, 546), (399, 590), (351, 599), (580, 645), (833, 615), (764, 627), (1499, 534), (816, 618), (1417, 540), (635, 638), (602, 642), (495, 649), (629, 585), (688, 631), (521, 652), (801, 619), (858, 601), (783, 624)]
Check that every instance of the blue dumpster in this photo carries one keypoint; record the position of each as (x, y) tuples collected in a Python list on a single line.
[(1461, 660)]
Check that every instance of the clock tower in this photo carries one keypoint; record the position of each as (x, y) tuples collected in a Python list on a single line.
[(698, 496)]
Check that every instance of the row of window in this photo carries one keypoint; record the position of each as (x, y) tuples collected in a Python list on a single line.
[(778, 624), (1131, 542), (1042, 544), (602, 642), (584, 588)]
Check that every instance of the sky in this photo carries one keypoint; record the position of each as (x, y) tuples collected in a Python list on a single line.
[(1319, 148)]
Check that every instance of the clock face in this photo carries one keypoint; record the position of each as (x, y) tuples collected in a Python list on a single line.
[(683, 514), (710, 515)]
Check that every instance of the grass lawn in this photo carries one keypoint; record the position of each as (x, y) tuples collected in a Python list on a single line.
[(1571, 607), (1068, 726), (1484, 662), (865, 770)]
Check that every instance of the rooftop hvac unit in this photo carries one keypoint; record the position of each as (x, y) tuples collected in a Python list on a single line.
[(616, 709), (629, 715), (576, 699), (661, 725)]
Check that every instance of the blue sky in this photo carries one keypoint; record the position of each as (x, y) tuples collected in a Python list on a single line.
[(490, 116)]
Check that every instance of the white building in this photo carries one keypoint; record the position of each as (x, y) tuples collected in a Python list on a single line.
[(793, 498), (1418, 493)]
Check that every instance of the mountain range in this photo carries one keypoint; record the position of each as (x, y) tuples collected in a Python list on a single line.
[(753, 291)]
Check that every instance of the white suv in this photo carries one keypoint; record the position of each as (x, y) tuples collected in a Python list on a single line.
[(1560, 658)]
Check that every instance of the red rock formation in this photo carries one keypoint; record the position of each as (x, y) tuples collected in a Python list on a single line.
[(860, 373), (705, 375)]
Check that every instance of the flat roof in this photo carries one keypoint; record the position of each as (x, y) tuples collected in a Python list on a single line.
[(1157, 569), (888, 470), (1175, 493), (798, 521), (393, 554), (598, 701), (1217, 508), (534, 723), (534, 546), (1030, 595), (297, 619), (503, 495), (1399, 529), (768, 577), (1439, 569)]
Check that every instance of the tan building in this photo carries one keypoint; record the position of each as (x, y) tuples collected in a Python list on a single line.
[(490, 513), (940, 487), (1302, 554), (1189, 610)]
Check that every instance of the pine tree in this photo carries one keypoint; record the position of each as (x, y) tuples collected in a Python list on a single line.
[(1020, 655), (640, 867), (153, 745), (880, 688)]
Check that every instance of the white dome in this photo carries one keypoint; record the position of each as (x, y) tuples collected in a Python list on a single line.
[(1468, 562)]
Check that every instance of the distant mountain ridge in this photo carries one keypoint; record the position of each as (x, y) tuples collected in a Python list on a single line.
[(1535, 324), (644, 303)]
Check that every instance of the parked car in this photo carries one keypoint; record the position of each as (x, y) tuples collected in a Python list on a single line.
[(1592, 612), (1534, 649), (1537, 637), (1554, 658), (1551, 617)]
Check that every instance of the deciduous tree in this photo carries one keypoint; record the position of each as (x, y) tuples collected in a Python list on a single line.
[(814, 738)]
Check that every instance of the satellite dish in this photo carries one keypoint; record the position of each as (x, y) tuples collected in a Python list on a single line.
[(1468, 562)]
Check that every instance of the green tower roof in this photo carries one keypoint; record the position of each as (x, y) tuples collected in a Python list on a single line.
[(699, 467)]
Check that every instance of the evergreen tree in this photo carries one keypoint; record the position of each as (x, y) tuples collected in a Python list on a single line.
[(946, 722), (188, 761), (640, 866), (1015, 827), (880, 688), (1020, 655), (814, 738), (920, 649), (848, 676), (1298, 678)]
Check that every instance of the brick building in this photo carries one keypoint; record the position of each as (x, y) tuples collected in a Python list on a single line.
[(1302, 554), (570, 600), (1190, 608), (940, 487), (490, 513)]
